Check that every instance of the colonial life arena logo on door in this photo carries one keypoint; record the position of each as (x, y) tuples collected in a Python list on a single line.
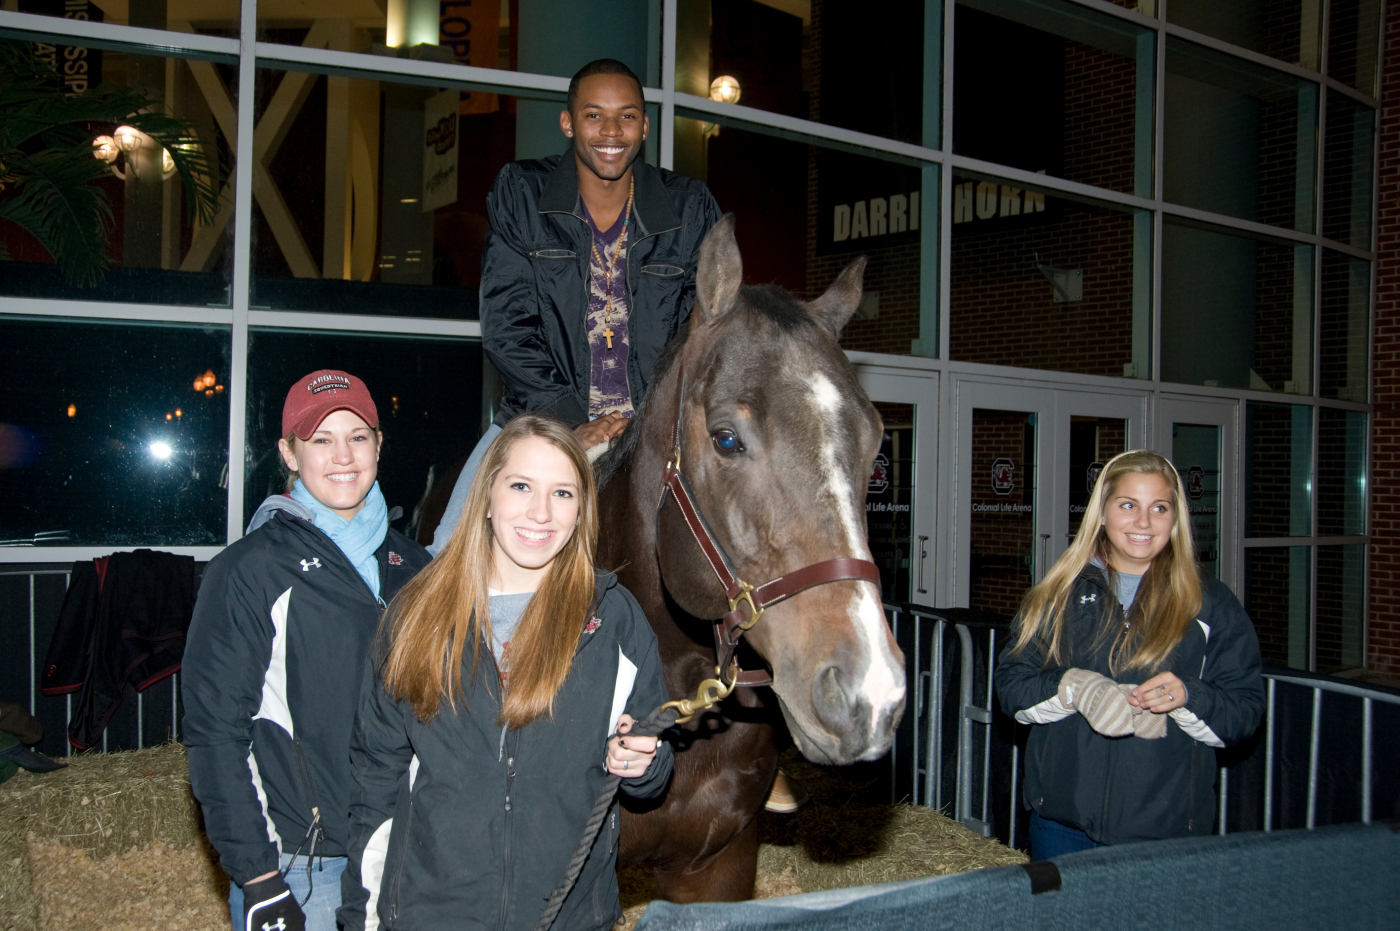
[(1003, 483)]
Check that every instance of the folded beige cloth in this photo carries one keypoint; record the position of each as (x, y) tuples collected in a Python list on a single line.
[(1099, 700), (1145, 724)]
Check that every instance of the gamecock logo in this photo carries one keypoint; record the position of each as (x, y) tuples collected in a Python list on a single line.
[(1003, 472)]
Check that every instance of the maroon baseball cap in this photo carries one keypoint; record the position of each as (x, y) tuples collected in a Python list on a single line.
[(321, 393)]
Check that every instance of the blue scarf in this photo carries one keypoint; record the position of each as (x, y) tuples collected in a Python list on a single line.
[(359, 538)]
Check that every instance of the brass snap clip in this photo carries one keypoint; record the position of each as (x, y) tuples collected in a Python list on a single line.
[(746, 594)]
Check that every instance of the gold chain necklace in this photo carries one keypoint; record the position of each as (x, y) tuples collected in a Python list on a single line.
[(608, 333)]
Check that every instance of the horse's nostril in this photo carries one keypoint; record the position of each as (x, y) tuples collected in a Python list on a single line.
[(831, 699)]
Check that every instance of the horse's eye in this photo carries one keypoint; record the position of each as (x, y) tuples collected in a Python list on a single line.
[(726, 441)]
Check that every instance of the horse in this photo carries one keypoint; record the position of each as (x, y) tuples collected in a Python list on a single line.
[(776, 438), (756, 402)]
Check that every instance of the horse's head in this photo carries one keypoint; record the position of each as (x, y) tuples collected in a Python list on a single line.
[(777, 440)]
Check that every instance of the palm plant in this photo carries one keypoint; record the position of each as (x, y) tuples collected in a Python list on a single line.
[(48, 172)]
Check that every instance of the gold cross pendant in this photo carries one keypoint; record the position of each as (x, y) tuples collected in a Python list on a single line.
[(607, 332)]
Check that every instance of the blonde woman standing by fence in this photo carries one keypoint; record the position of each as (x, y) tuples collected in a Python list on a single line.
[(1132, 668)]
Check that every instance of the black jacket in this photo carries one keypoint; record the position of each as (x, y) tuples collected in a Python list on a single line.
[(123, 622), (1125, 789), (534, 274), (276, 657), (461, 824)]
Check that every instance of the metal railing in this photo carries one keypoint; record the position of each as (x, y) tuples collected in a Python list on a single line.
[(13, 628), (980, 788)]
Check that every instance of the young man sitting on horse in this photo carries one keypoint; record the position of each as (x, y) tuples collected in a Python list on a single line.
[(589, 270)]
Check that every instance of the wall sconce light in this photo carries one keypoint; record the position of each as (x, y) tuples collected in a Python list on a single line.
[(104, 149), (725, 89), (128, 139)]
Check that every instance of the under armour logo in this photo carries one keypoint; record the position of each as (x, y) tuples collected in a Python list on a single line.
[(314, 563), (281, 922), (1086, 599)]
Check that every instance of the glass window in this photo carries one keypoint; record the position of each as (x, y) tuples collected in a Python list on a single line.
[(1043, 281), (210, 17), (1236, 311), (1341, 607), (1353, 43), (889, 504), (1240, 138), (1278, 470), (1277, 598), (1289, 30), (1346, 334), (1078, 104), (1196, 453), (1003, 496), (777, 53), (848, 205), (1347, 188), (427, 391), (1341, 472), (152, 215), (555, 37), (344, 221), (113, 434)]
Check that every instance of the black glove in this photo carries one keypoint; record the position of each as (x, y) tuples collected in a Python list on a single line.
[(268, 905)]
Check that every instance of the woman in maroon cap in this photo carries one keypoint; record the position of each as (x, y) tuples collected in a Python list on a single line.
[(275, 659)]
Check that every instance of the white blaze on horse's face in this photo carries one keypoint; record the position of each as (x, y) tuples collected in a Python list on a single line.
[(881, 681)]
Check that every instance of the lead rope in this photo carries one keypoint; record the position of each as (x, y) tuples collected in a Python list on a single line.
[(650, 726)]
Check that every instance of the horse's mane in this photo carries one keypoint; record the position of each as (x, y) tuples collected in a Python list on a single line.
[(765, 301)]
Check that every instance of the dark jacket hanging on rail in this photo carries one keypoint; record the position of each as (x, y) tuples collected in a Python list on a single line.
[(123, 621)]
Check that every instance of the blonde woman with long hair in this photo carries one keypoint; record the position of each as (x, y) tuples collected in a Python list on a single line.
[(500, 700), (1132, 668)]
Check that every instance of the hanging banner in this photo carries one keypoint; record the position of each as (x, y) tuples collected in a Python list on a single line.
[(440, 150), (472, 29), (78, 68)]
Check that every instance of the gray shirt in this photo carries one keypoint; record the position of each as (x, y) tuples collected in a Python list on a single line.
[(506, 611)]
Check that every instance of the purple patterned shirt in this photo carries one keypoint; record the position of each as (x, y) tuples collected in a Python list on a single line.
[(608, 390)]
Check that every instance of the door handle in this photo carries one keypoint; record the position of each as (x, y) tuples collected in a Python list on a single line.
[(923, 554), (1044, 554)]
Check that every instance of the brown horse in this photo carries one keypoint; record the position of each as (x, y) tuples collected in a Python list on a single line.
[(776, 441)]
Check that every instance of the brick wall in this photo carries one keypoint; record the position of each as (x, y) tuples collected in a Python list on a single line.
[(1003, 308), (1383, 640)]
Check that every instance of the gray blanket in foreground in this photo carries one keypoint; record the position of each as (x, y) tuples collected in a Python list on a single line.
[(1342, 877)]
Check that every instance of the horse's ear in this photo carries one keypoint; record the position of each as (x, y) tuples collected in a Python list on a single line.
[(720, 271), (834, 308)]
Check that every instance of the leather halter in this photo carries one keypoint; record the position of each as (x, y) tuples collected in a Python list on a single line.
[(730, 628)]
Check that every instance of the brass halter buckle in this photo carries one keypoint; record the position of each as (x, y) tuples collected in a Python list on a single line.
[(746, 594), (709, 693)]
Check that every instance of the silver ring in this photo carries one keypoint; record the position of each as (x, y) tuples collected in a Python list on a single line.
[(624, 763)]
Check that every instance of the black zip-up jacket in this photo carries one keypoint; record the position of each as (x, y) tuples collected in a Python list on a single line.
[(535, 285), (1125, 789), (272, 674), (460, 823)]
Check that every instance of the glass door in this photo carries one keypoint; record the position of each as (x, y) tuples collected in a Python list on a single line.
[(1027, 459), (1198, 436), (901, 493)]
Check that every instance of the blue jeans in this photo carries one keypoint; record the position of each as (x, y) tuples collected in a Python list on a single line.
[(452, 516), (324, 886), (1050, 839)]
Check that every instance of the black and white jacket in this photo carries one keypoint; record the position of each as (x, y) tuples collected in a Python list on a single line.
[(461, 823), (1125, 789), (272, 674)]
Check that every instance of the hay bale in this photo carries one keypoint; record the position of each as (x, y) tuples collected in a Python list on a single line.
[(155, 886), (841, 839), (103, 804)]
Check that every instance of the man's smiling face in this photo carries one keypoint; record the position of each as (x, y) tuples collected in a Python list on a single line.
[(607, 125)]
